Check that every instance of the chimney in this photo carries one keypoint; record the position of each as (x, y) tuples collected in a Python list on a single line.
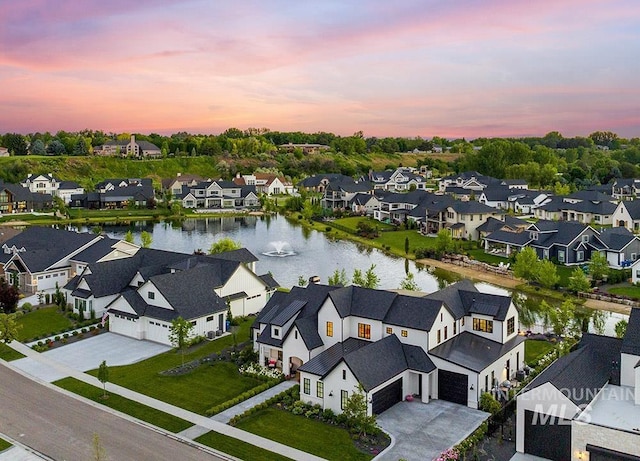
[(133, 139)]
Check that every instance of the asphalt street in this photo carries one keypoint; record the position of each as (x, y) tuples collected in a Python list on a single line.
[(63, 428)]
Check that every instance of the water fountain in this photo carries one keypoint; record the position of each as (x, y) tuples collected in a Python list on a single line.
[(280, 249)]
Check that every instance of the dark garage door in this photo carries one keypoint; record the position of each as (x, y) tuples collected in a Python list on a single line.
[(547, 437), (452, 386), (387, 397), (605, 454)]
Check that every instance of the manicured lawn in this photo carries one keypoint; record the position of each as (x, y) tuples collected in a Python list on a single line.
[(237, 448), (534, 349), (395, 239), (4, 445), (324, 440), (480, 255), (630, 292), (151, 415), (215, 383), (352, 223), (8, 354), (43, 321)]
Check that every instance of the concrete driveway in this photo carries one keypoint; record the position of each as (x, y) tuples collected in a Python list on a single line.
[(89, 353), (423, 431)]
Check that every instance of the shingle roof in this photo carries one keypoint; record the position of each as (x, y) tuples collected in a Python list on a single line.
[(616, 238), (476, 302), (308, 328), (633, 207), (584, 370), (473, 352), (326, 361), (506, 236), (567, 231), (96, 251), (451, 296), (631, 340), (413, 312), (362, 302)]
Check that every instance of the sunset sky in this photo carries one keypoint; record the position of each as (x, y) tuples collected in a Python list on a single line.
[(389, 68)]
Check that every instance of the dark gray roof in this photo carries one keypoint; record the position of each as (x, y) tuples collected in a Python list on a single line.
[(326, 361), (362, 302), (451, 296), (497, 193), (495, 306), (631, 341), (45, 246), (616, 238), (633, 207), (413, 312), (96, 251), (308, 328), (590, 195), (472, 351), (266, 338), (587, 206), (68, 185), (287, 313), (514, 238), (269, 281), (315, 180), (579, 374), (566, 232)]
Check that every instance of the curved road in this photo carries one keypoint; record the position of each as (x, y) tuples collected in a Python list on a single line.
[(62, 427)]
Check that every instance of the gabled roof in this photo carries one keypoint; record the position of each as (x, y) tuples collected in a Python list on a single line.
[(616, 238), (327, 360), (413, 312), (451, 296), (567, 231), (315, 180), (497, 193), (495, 306), (594, 361), (269, 281), (98, 250), (472, 351), (633, 208), (68, 185), (308, 328), (587, 206), (45, 246), (631, 340), (590, 195), (362, 302), (519, 239), (471, 207)]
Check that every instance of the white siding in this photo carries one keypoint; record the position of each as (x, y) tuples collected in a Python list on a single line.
[(158, 300), (244, 280), (627, 365), (293, 346), (326, 314), (414, 337), (512, 312), (443, 319)]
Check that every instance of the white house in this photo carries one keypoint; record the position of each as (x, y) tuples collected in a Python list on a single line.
[(48, 184), (586, 405), (451, 345)]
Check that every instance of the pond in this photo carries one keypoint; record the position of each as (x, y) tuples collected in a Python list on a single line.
[(289, 251)]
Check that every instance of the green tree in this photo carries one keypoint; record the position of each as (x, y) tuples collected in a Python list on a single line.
[(562, 318), (526, 264), (621, 328), (223, 245), (103, 377), (146, 239), (355, 411), (547, 274), (37, 147), (578, 281), (15, 143), (598, 266), (128, 237), (179, 333), (406, 245), (56, 147), (357, 278), (338, 278), (302, 281), (371, 279), (409, 283), (9, 327), (489, 403), (444, 241)]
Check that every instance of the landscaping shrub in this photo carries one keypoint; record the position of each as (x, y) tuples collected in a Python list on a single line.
[(27, 307)]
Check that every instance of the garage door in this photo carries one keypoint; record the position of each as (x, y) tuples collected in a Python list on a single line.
[(452, 386), (547, 437), (605, 454), (387, 397)]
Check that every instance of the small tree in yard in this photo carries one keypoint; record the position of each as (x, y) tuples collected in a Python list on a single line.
[(146, 239), (578, 281), (444, 241), (371, 279), (339, 278), (526, 265), (409, 283), (621, 328), (103, 377), (355, 410), (598, 266), (179, 333), (8, 327), (489, 403), (547, 274), (9, 296)]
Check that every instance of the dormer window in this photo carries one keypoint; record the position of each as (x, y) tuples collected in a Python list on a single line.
[(585, 238), (275, 332)]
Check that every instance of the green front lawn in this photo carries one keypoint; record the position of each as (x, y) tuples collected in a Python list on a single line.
[(324, 440), (237, 448), (130, 407), (480, 255), (215, 383), (534, 349), (8, 354), (632, 292), (42, 321), (352, 223)]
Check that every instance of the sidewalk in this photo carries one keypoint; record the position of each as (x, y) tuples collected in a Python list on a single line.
[(225, 416), (194, 418)]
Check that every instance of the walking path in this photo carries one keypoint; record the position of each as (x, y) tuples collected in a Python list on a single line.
[(196, 419), (225, 416)]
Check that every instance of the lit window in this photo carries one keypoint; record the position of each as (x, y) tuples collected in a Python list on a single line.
[(483, 325), (344, 396), (404, 333), (329, 328), (364, 331), (389, 330), (320, 389), (511, 325)]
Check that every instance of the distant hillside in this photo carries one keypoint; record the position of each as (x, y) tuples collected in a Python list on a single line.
[(88, 171)]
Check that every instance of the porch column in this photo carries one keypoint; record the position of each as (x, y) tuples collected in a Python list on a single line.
[(508, 249)]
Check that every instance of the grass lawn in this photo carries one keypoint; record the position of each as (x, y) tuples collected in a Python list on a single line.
[(480, 255), (215, 383), (395, 239), (352, 223), (150, 415), (630, 292), (8, 354), (534, 349), (41, 322), (4, 445), (237, 448), (324, 440)]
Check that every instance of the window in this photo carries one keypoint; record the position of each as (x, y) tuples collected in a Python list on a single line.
[(493, 378), (511, 325), (151, 295), (320, 389), (404, 333), (462, 321), (344, 374), (193, 323), (306, 384), (389, 330), (364, 331), (561, 256), (329, 328), (276, 332), (439, 337), (585, 238), (445, 333), (455, 327), (483, 325), (296, 334), (210, 318), (580, 255), (344, 396), (634, 256), (486, 383), (441, 316)]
